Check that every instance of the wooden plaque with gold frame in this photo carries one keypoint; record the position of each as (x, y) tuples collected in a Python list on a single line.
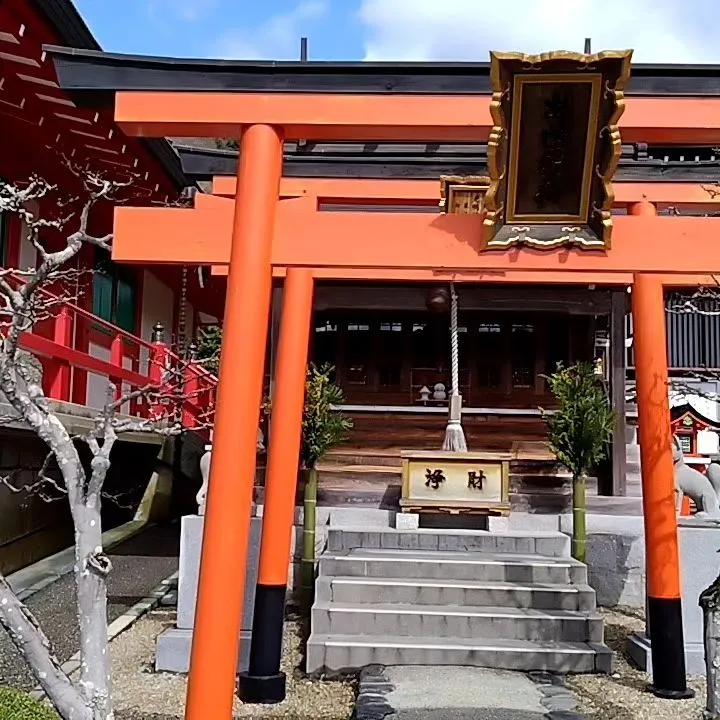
[(463, 194), (454, 483), (554, 148)]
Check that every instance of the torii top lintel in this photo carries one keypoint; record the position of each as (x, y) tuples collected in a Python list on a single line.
[(432, 102), (382, 118)]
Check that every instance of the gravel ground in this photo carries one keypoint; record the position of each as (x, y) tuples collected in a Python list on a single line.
[(137, 686), (624, 696), (139, 565)]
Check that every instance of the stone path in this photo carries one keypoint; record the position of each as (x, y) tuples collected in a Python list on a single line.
[(461, 693), (139, 565)]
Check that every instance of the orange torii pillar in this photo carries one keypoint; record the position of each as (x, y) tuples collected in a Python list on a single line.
[(221, 586), (263, 682), (664, 604)]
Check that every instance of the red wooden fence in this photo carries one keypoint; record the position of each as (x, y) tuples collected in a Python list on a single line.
[(182, 388)]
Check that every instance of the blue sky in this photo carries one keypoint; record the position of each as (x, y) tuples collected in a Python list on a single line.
[(664, 31), (226, 28)]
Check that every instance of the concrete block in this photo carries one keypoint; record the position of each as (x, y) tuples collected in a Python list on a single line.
[(699, 546), (191, 530), (543, 522), (347, 652), (173, 651), (356, 517), (699, 542), (498, 524), (508, 624), (459, 593), (407, 521)]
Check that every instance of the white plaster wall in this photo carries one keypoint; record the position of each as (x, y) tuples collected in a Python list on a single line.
[(97, 384), (157, 306)]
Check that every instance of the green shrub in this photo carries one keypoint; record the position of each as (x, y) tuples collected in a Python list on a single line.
[(17, 705), (579, 431)]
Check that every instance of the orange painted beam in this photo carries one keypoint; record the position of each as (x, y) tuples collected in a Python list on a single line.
[(422, 118), (532, 277), (410, 241), (353, 189), (412, 275)]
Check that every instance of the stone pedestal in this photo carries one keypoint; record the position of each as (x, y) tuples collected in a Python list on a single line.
[(699, 542), (173, 646)]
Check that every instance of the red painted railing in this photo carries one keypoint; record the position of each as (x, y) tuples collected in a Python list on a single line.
[(181, 389)]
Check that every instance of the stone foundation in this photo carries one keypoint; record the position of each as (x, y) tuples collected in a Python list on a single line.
[(699, 544)]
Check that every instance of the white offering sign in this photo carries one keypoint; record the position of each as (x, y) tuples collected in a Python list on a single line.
[(456, 482)]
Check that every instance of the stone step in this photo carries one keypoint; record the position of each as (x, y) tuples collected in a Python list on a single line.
[(341, 653), (465, 593), (549, 544), (436, 565), (377, 474), (390, 458), (443, 621)]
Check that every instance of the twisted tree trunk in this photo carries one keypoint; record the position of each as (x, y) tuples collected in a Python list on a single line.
[(92, 568), (28, 637)]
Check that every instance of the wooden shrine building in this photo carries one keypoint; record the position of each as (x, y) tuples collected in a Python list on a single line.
[(542, 269)]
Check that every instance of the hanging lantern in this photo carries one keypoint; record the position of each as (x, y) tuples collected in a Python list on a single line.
[(438, 299)]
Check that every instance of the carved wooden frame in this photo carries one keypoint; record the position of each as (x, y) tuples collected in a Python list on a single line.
[(453, 185), (546, 233)]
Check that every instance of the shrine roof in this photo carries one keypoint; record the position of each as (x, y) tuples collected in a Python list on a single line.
[(92, 76), (416, 161), (678, 411)]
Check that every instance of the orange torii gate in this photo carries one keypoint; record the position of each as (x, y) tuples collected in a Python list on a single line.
[(259, 233)]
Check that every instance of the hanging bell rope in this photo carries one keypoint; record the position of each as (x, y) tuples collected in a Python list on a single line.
[(454, 435)]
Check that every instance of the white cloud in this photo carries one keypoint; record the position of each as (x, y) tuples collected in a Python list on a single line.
[(660, 31), (278, 38)]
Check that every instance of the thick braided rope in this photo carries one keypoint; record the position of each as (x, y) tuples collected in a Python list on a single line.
[(454, 349)]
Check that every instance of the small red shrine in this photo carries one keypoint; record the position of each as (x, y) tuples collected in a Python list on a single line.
[(687, 424)]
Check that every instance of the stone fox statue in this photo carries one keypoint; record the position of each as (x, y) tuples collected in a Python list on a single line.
[(694, 484)]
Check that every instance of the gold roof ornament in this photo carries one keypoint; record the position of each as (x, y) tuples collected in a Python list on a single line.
[(554, 148)]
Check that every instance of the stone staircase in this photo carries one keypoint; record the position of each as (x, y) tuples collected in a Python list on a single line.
[(514, 601)]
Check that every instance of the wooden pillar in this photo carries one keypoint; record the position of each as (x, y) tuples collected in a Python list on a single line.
[(221, 586), (618, 355), (661, 538), (264, 683), (60, 377)]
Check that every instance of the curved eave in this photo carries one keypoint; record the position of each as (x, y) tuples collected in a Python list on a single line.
[(414, 162), (63, 17), (92, 77), (69, 24), (686, 408)]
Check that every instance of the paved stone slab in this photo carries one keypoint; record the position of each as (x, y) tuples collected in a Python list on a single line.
[(460, 693), (433, 688)]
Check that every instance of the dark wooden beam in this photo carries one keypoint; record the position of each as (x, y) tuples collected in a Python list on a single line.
[(639, 163), (92, 75)]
